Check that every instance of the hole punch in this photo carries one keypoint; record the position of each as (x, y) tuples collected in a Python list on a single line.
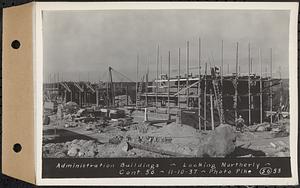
[(17, 147), (15, 44)]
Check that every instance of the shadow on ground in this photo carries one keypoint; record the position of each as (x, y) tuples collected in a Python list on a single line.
[(239, 151), (62, 135)]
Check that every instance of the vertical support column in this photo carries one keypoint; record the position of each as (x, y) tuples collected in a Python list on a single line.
[(227, 68), (249, 84), (127, 94), (161, 65), (222, 117), (271, 90), (260, 87), (146, 84), (65, 96), (187, 72), (169, 77), (199, 86), (157, 62), (97, 96), (222, 62), (80, 101), (178, 83), (137, 81), (236, 82), (107, 93), (281, 95), (84, 97), (212, 111), (205, 105)]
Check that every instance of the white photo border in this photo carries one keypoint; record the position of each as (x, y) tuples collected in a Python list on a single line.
[(38, 84)]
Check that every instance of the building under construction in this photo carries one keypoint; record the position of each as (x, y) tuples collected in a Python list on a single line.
[(203, 100)]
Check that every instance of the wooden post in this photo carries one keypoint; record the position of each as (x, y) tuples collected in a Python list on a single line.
[(249, 84), (107, 93), (157, 62), (260, 87), (146, 84), (221, 109), (169, 77), (212, 111), (199, 86), (80, 103), (161, 65), (222, 61), (97, 96), (227, 68), (281, 95), (271, 90), (137, 81), (187, 72), (205, 105), (236, 82), (178, 84), (71, 96), (127, 94), (251, 66), (65, 96)]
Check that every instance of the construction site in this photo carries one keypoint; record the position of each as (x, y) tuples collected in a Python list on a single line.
[(202, 111)]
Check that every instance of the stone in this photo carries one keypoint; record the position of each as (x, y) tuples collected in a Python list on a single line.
[(87, 144), (115, 140), (73, 151), (260, 129), (219, 143), (74, 141), (60, 155), (81, 142), (80, 154), (89, 154), (125, 146)]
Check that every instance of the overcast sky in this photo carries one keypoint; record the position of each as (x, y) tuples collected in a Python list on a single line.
[(83, 44)]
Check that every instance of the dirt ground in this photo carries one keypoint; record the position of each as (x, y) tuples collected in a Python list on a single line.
[(112, 141)]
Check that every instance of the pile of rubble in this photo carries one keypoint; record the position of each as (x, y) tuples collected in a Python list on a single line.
[(75, 148), (117, 135), (219, 143), (279, 129), (170, 140)]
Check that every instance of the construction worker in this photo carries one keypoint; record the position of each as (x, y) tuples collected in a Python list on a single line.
[(240, 123)]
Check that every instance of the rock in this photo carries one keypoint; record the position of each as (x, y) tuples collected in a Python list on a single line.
[(279, 132), (73, 151), (60, 155), (88, 144), (46, 120), (74, 141), (80, 154), (68, 144), (220, 142), (260, 129), (81, 142), (89, 154), (116, 140), (125, 146), (281, 154)]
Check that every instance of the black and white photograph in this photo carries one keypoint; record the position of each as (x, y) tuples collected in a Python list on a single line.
[(163, 84)]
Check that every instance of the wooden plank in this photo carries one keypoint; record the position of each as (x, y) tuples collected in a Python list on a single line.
[(157, 150)]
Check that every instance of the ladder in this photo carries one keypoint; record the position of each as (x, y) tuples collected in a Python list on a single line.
[(140, 90), (218, 95)]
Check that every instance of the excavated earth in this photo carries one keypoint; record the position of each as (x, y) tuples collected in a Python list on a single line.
[(91, 141)]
